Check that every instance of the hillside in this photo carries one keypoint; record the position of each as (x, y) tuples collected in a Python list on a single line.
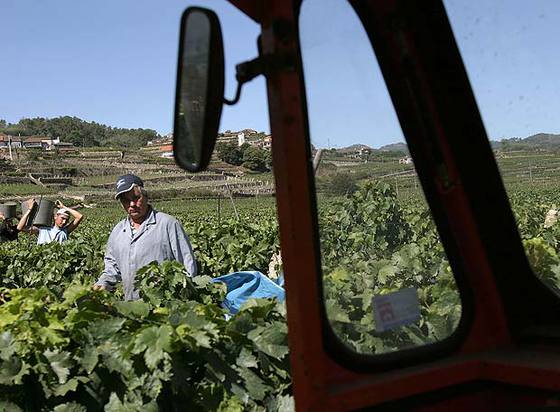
[(395, 147), (354, 148), (79, 132), (539, 141)]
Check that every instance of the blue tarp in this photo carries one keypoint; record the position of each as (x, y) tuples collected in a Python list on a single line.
[(242, 286)]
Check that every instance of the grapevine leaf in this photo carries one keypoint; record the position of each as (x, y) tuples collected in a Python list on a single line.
[(256, 387), (106, 328), (12, 371), (246, 359), (271, 340), (89, 358), (134, 309), (60, 363), (70, 407), (70, 386), (7, 345), (154, 341), (6, 406)]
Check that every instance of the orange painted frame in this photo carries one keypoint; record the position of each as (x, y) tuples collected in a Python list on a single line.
[(320, 381)]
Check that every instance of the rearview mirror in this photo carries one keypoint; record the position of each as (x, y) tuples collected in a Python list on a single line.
[(200, 89)]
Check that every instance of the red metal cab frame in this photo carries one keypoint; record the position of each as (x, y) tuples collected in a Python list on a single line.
[(506, 352)]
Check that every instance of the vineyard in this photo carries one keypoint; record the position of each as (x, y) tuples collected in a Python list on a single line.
[(64, 347), (374, 244), (89, 175)]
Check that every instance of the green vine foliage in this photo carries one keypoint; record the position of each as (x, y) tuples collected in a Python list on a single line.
[(172, 350), (372, 245), (64, 347)]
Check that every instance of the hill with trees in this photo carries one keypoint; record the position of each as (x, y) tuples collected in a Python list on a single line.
[(353, 148), (539, 141), (79, 132), (395, 147)]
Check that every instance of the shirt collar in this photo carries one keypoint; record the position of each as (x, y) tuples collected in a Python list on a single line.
[(151, 219)]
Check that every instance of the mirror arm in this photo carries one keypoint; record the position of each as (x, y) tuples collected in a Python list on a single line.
[(237, 95), (247, 71)]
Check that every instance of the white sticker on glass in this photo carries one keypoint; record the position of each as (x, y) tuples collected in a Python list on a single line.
[(396, 309)]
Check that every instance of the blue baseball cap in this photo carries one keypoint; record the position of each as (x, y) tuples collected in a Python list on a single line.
[(126, 183)]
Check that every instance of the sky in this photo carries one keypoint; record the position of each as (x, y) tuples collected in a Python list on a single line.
[(509, 48), (114, 62)]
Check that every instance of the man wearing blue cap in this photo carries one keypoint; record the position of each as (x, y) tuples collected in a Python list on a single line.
[(144, 236)]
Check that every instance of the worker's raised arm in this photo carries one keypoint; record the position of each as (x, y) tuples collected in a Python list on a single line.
[(22, 225)]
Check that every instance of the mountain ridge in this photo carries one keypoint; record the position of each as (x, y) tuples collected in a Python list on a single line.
[(538, 141)]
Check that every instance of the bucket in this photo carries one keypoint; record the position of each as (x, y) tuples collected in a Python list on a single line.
[(24, 209), (41, 215), (8, 209)]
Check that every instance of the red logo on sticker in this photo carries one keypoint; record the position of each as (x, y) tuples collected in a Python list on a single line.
[(386, 311)]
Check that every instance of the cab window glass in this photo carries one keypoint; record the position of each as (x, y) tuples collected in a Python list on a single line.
[(511, 56), (387, 282)]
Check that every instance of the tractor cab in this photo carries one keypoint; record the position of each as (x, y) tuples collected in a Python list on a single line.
[(412, 281)]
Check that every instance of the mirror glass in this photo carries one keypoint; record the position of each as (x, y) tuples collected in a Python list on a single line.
[(192, 92)]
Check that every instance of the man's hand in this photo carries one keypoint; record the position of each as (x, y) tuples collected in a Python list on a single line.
[(2, 216), (59, 204), (98, 287), (30, 203)]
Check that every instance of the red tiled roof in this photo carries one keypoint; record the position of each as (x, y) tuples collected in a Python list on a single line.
[(6, 138), (35, 139)]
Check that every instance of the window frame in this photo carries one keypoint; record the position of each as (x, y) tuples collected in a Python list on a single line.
[(324, 379), (423, 109)]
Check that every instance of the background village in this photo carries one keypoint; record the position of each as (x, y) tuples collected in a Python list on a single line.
[(84, 159), (43, 166), (241, 166)]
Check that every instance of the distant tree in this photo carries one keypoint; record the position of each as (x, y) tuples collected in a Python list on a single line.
[(268, 159), (341, 184), (255, 159), (230, 153), (505, 145), (136, 137), (244, 147), (5, 165)]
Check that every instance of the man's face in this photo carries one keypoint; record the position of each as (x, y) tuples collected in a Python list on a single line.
[(60, 220), (134, 203)]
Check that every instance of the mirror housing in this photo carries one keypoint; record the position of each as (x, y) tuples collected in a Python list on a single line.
[(200, 89)]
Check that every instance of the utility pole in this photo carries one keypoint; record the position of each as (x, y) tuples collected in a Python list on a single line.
[(232, 202), (10, 147)]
